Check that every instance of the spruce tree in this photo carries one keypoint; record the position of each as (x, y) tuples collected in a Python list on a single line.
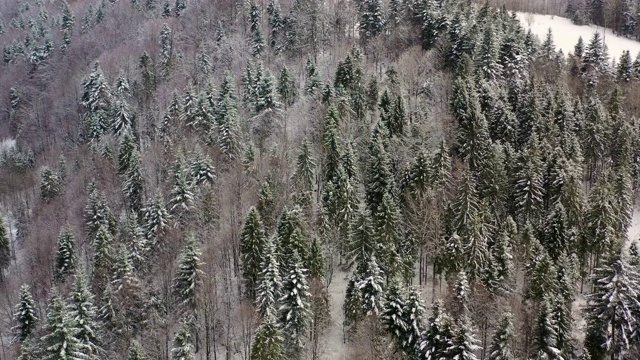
[(188, 278), (134, 183), (5, 248), (545, 335), (50, 184), (65, 256), (613, 307), (371, 18), (413, 314), (166, 48), (180, 7), (60, 341), (295, 309), (463, 344), (438, 337), (269, 282), (84, 314), (252, 250), (625, 70), (501, 347), (268, 342), (183, 348), (228, 127), (136, 352), (155, 218), (286, 88), (371, 286), (393, 314), (25, 315)]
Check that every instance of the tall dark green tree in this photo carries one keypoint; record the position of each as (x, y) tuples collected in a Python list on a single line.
[(25, 315), (252, 247), (65, 256)]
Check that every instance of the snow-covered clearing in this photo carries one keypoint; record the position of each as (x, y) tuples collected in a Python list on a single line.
[(566, 34)]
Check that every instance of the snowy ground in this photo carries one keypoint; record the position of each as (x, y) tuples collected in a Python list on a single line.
[(333, 346), (566, 34)]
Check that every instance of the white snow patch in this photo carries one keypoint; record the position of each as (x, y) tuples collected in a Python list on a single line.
[(7, 145), (566, 34), (634, 229)]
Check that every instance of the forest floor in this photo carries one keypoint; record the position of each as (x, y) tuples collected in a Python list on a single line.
[(566, 34)]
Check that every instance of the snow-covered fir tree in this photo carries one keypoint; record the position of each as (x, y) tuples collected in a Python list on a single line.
[(252, 250), (188, 278), (65, 256), (25, 315), (83, 312), (183, 347), (269, 282), (295, 308), (60, 341)]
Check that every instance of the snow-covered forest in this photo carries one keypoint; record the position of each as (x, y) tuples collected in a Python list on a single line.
[(297, 179)]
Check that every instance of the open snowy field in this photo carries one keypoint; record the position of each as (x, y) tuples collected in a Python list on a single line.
[(566, 34)]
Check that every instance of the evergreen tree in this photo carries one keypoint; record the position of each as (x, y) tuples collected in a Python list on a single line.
[(269, 282), (502, 342), (286, 88), (127, 147), (304, 175), (388, 235), (136, 352), (188, 277), (25, 315), (102, 258), (463, 344), (84, 314), (295, 309), (393, 314), (371, 18), (134, 182), (5, 248), (252, 250), (228, 127), (50, 183), (180, 7), (625, 69), (546, 331), (65, 256), (166, 48), (68, 18), (155, 217), (268, 342), (379, 177), (362, 245), (613, 307), (183, 348), (413, 314), (371, 287), (60, 341), (438, 337), (182, 194)]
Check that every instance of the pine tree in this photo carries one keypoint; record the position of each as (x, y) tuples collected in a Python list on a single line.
[(183, 348), (25, 315), (269, 282), (304, 175), (68, 19), (487, 64), (613, 307), (84, 314), (5, 248), (29, 350), (60, 341), (295, 309), (268, 342), (188, 277), (122, 118), (388, 235), (65, 256), (182, 194), (362, 245), (201, 170), (252, 249), (379, 177), (502, 342)]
